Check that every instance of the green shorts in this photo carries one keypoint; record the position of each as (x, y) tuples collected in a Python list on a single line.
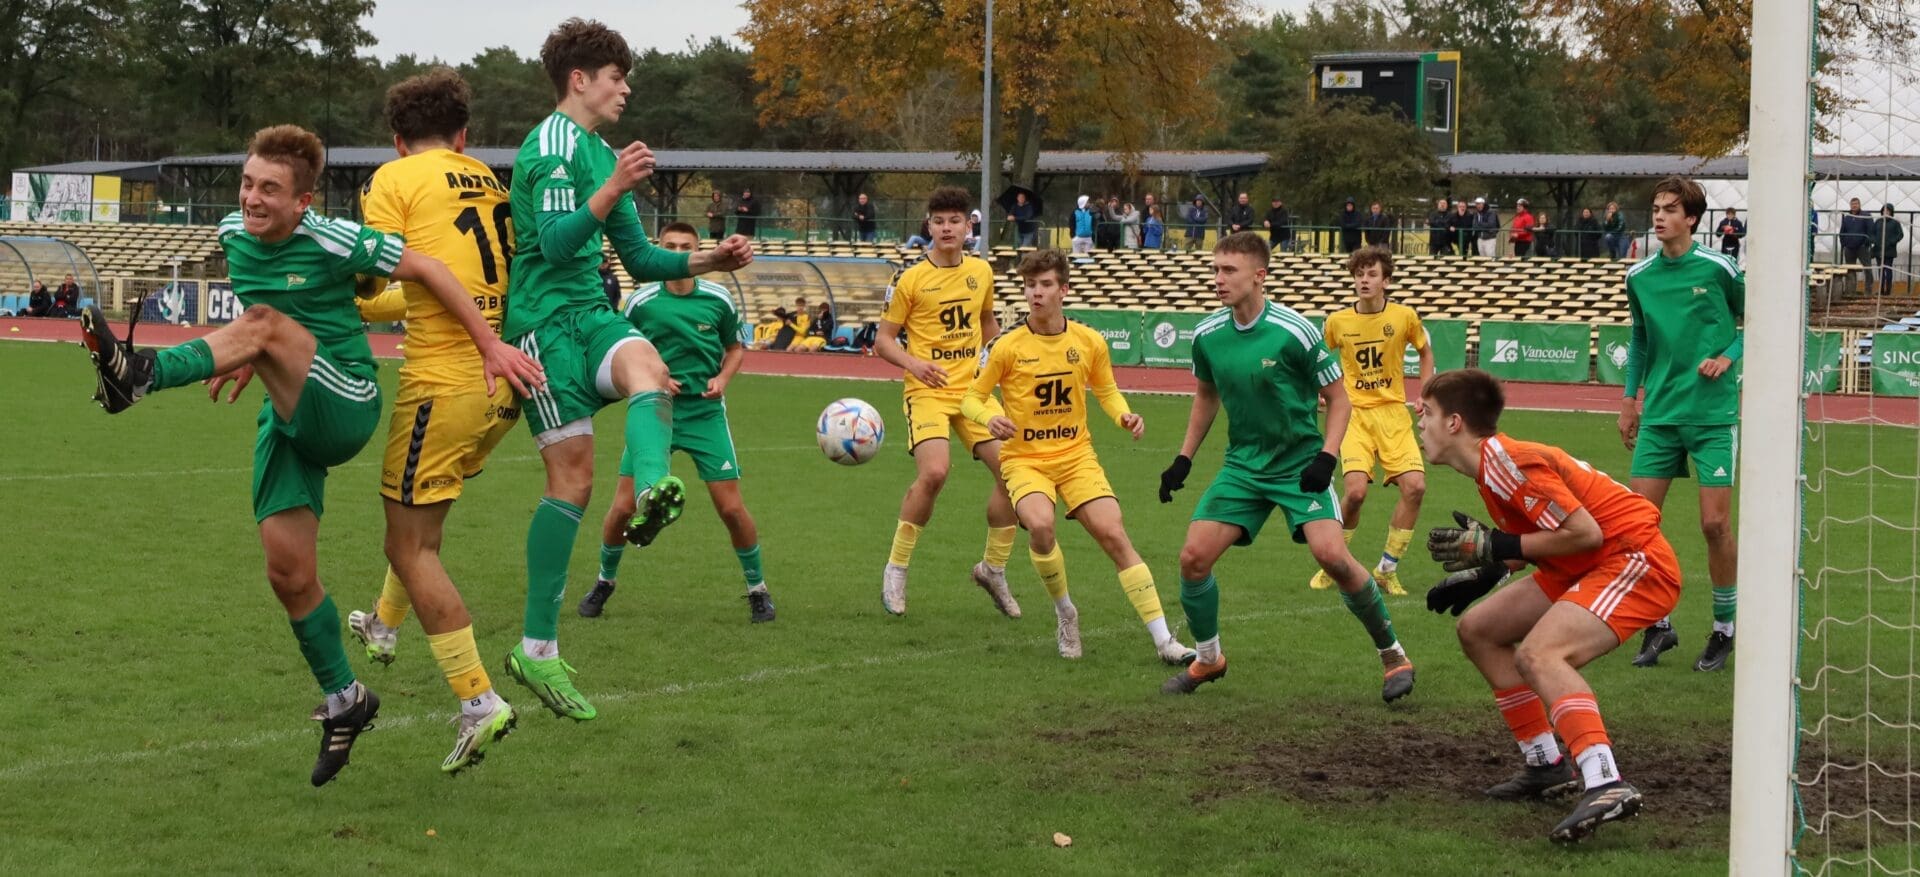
[(576, 349), (1244, 499), (338, 412), (1663, 451), (700, 430)]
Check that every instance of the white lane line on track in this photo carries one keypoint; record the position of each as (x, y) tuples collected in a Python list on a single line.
[(529, 705)]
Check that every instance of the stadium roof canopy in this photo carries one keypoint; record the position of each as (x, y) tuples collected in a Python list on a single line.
[(133, 170), (1195, 164), (1596, 166)]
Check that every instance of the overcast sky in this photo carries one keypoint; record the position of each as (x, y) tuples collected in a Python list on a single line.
[(456, 30)]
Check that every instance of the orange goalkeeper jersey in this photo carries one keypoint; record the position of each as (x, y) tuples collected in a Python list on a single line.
[(1530, 487)]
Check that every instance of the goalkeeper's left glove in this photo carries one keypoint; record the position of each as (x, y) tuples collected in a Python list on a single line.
[(1470, 545), (1458, 591)]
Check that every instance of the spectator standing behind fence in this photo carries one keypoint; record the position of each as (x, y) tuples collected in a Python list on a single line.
[(1026, 227), (1152, 230), (1107, 234), (1887, 235), (1082, 226), (716, 217), (1350, 219), (1460, 227), (747, 214), (1129, 227), (863, 219), (1856, 229), (1522, 236), (1240, 215), (1279, 226), (1486, 227), (66, 299), (1731, 230), (1379, 227), (1439, 233), (1589, 231), (1196, 222), (1615, 227), (39, 301)]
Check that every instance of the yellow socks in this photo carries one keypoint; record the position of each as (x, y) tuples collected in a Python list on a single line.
[(905, 536), (1052, 568), (1397, 542), (1000, 546), (1137, 581), (459, 659), (394, 604)]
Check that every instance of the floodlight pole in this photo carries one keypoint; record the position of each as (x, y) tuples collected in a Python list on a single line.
[(986, 135)]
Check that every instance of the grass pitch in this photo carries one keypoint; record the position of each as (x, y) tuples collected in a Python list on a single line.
[(155, 705)]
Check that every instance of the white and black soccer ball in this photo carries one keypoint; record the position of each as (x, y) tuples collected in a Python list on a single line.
[(850, 432)]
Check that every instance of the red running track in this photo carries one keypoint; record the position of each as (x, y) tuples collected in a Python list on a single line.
[(1532, 396)]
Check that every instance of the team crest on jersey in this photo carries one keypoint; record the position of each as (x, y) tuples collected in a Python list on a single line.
[(973, 284), (1073, 356), (1269, 363), (1387, 330), (1699, 290), (294, 280), (703, 327)]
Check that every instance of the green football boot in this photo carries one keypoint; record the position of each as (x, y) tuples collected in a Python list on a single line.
[(547, 679), (657, 506)]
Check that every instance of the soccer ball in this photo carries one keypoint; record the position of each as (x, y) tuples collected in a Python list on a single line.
[(850, 432)]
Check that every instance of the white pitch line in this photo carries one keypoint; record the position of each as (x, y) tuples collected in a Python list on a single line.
[(671, 689)]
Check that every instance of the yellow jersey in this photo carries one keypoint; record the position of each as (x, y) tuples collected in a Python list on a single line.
[(1372, 348), (451, 207), (1044, 383), (943, 311)]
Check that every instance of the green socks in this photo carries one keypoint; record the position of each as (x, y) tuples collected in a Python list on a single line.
[(183, 364), (750, 565), (319, 638), (1367, 605), (1724, 602), (549, 547), (1201, 599), (649, 437), (610, 561)]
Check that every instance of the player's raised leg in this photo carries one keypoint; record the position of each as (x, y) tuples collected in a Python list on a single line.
[(1200, 599), (1103, 520), (991, 572), (1361, 595), (1037, 515)]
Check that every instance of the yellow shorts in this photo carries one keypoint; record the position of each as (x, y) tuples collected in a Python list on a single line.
[(1073, 480), (1383, 434), (937, 415), (438, 438)]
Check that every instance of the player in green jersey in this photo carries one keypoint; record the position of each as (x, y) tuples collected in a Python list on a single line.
[(696, 328), (301, 334), (1687, 302), (570, 190), (1268, 368)]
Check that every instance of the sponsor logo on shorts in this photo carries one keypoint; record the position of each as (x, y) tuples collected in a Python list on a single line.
[(508, 413), (437, 483), (1314, 506)]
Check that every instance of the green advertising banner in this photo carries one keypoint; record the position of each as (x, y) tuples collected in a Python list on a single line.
[(1448, 339), (1120, 328), (1555, 352), (1825, 361), (1167, 338), (1896, 364), (1611, 363)]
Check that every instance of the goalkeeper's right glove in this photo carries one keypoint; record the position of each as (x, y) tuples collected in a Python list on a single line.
[(1458, 591), (1175, 477)]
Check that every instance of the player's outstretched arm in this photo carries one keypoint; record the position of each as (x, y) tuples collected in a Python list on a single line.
[(501, 359)]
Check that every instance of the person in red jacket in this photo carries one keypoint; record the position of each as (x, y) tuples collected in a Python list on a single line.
[(1522, 237)]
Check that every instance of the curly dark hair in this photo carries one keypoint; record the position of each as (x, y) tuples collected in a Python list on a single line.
[(430, 106), (1371, 255), (949, 199), (296, 147), (582, 44)]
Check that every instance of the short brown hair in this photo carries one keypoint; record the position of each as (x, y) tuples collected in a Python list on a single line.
[(949, 199), (1040, 262), (1471, 393), (1371, 255), (430, 106), (296, 147), (680, 228), (582, 44), (1246, 243), (1693, 199)]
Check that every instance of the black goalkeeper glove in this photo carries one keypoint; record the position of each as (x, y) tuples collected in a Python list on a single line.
[(1458, 591), (1175, 477), (1470, 545), (1318, 473)]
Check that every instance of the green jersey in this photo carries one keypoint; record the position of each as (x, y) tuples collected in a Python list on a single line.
[(1269, 377), (1685, 311), (309, 276), (556, 239), (691, 331)]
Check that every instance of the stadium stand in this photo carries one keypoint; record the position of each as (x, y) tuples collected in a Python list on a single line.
[(127, 249)]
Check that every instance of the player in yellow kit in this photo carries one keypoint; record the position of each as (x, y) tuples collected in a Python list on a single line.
[(444, 424), (1372, 337), (1046, 369), (944, 304)]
